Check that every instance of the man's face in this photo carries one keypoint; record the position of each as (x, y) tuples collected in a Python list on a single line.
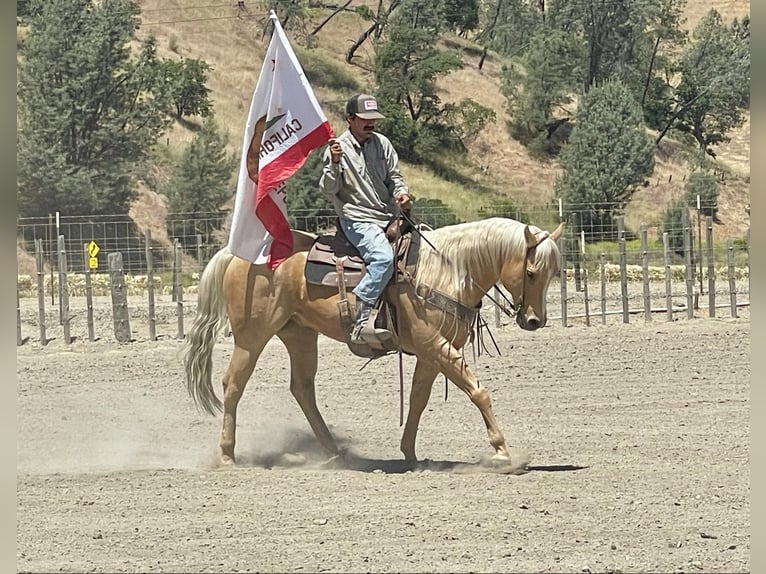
[(360, 128)]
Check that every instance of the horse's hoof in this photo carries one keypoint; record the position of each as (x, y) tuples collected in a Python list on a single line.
[(227, 462), (516, 463), (290, 459)]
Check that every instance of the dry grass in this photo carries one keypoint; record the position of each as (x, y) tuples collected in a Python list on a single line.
[(235, 47)]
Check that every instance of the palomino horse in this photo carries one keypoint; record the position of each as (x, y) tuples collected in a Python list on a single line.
[(458, 263)]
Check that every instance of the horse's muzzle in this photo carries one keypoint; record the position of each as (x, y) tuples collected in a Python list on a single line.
[(531, 323)]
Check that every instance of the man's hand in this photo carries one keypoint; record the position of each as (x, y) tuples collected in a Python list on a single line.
[(335, 152), (404, 201)]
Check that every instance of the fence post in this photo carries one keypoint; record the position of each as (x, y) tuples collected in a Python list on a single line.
[(88, 295), (645, 274), (710, 266), (60, 285), (63, 290), (732, 281), (178, 288), (119, 298), (576, 256), (668, 275), (150, 286), (699, 240), (200, 265), (19, 339), (689, 269), (50, 231), (585, 279), (563, 275), (39, 264), (602, 259), (623, 270)]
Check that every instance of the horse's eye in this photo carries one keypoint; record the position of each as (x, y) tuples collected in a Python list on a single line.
[(530, 273)]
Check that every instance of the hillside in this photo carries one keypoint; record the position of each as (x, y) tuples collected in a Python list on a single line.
[(231, 41)]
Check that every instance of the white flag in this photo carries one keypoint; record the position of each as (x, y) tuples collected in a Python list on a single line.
[(284, 125)]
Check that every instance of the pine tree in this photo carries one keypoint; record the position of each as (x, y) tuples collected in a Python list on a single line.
[(200, 186), (609, 153), (714, 90), (86, 118), (407, 65)]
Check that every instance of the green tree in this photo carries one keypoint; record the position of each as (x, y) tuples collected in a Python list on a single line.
[(664, 19), (613, 33), (507, 26), (673, 220), (22, 8), (201, 183), (714, 90), (704, 185), (181, 87), (408, 64), (86, 117), (609, 153), (628, 41), (461, 15), (537, 89)]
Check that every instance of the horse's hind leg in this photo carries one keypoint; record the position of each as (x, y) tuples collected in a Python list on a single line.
[(422, 381), (237, 374), (301, 344)]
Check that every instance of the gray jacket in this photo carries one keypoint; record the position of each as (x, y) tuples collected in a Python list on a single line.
[(363, 187)]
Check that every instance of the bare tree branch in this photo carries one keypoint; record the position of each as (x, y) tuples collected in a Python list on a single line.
[(330, 17)]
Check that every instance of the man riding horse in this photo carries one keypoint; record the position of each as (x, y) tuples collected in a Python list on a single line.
[(361, 178)]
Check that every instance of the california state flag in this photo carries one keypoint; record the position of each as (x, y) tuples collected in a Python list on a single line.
[(284, 125)]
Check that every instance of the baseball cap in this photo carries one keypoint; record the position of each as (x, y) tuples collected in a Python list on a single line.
[(365, 106)]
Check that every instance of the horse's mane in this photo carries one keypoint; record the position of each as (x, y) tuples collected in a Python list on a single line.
[(468, 250)]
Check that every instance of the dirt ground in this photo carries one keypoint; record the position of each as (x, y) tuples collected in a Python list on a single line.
[(638, 435)]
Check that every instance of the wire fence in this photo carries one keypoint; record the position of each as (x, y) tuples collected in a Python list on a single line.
[(88, 241), (74, 272)]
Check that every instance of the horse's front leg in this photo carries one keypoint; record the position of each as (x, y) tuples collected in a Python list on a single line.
[(456, 370), (422, 381), (301, 344)]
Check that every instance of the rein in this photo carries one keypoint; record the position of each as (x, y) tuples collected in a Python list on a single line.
[(464, 309)]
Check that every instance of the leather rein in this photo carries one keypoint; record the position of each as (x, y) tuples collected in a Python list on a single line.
[(455, 307)]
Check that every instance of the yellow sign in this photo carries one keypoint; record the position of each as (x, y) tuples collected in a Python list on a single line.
[(93, 262), (93, 250)]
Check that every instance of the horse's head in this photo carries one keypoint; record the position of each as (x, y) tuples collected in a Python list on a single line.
[(527, 278)]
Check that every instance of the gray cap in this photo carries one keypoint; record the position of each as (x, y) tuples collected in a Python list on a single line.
[(365, 106)]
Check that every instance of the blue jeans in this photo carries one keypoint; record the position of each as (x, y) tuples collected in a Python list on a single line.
[(370, 240)]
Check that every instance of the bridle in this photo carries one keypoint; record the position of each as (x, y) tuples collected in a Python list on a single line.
[(509, 304), (529, 256)]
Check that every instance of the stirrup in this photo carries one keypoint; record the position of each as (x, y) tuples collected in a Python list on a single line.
[(366, 332)]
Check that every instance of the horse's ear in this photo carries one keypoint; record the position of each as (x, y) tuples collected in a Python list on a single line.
[(558, 232), (530, 237)]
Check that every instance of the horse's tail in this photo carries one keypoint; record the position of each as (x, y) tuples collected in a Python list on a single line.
[(197, 348)]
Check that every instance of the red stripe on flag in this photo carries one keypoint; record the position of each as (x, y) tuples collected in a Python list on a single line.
[(276, 172), (291, 160)]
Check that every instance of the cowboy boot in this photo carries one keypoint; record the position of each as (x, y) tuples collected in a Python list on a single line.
[(361, 332)]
